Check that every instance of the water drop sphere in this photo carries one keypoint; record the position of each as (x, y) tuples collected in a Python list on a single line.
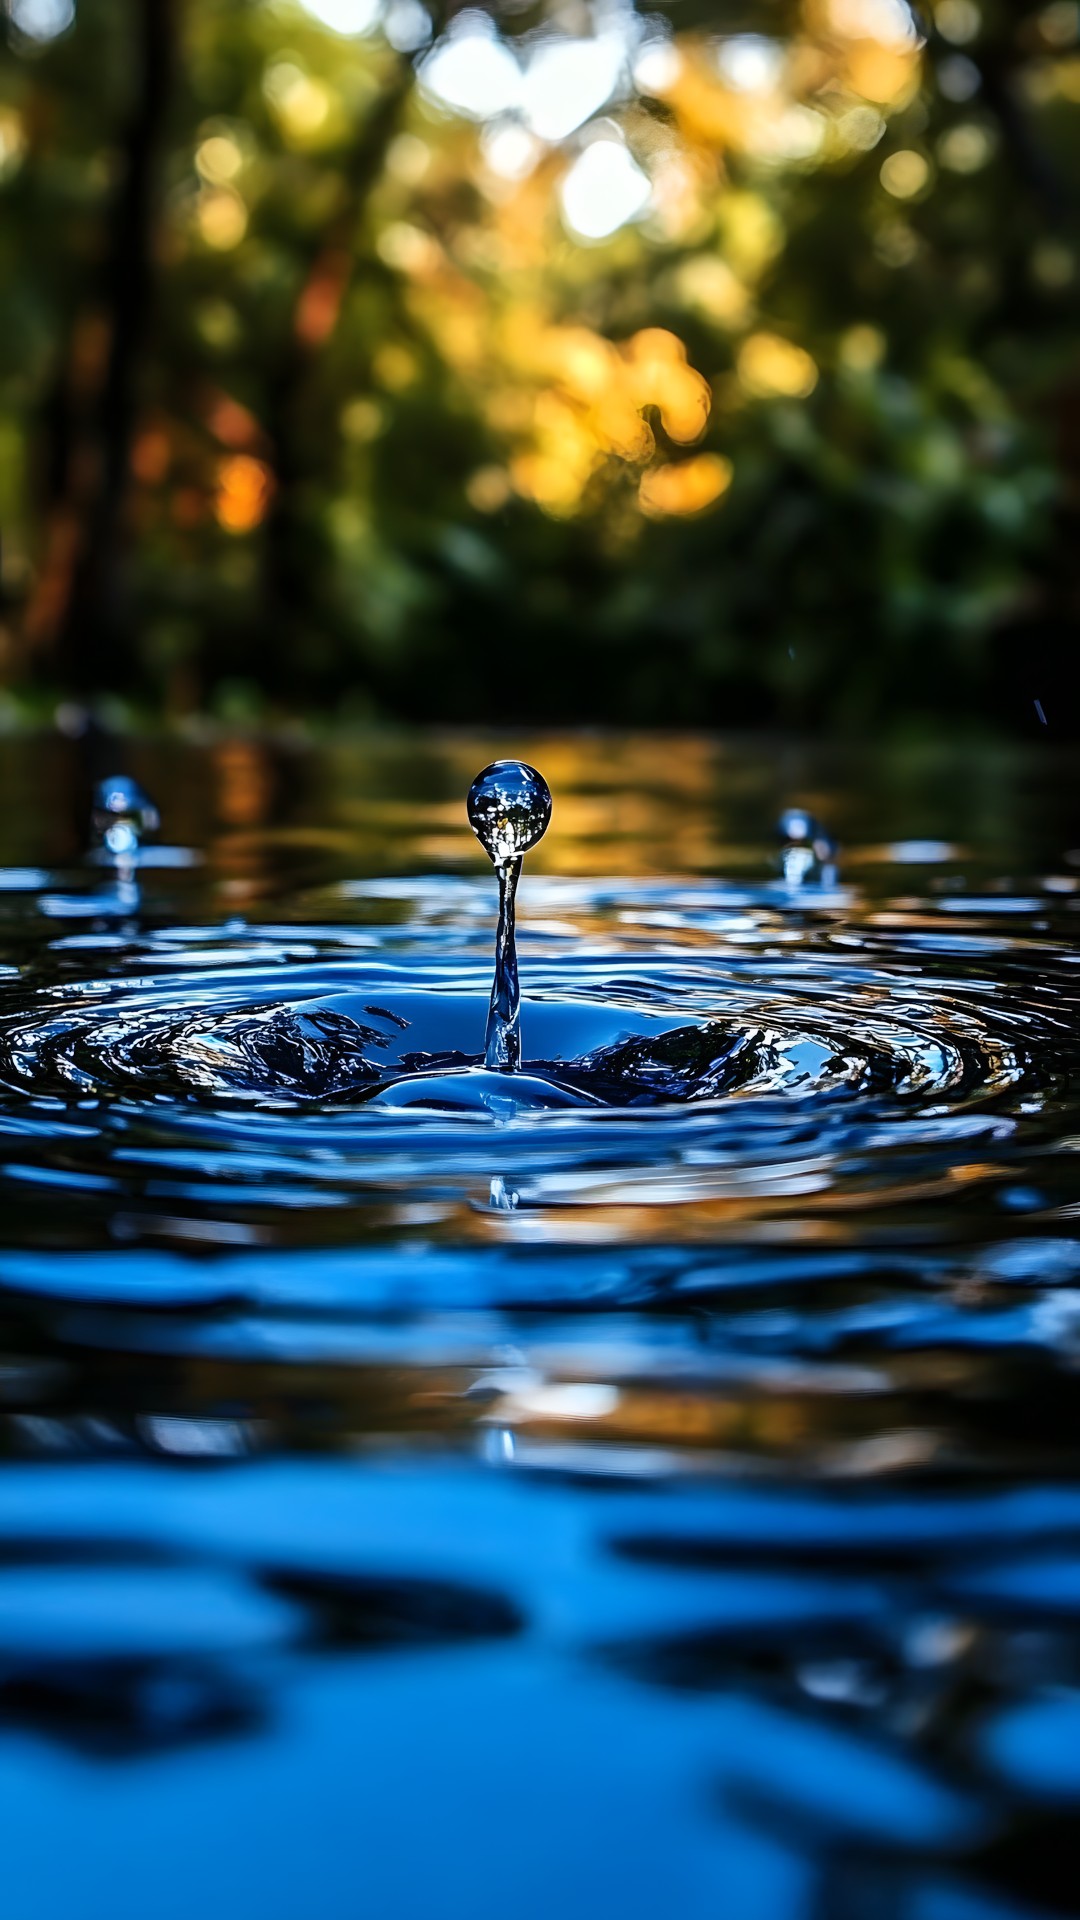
[(509, 808), (122, 814), (808, 849), (796, 825)]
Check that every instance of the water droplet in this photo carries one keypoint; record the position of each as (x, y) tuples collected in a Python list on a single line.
[(509, 806), (122, 815), (509, 809), (808, 850)]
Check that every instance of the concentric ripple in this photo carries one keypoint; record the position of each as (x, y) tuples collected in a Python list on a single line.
[(758, 1059), (805, 1027)]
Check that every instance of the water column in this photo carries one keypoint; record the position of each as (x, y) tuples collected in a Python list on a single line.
[(122, 816), (509, 808)]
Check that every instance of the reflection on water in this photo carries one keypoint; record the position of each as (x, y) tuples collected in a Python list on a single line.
[(667, 1501)]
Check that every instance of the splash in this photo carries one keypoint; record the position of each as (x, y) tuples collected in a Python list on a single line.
[(122, 816), (509, 808), (808, 851)]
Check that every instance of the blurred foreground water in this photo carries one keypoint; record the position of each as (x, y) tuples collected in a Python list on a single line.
[(667, 1506)]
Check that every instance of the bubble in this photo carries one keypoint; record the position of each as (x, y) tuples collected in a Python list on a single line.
[(509, 808)]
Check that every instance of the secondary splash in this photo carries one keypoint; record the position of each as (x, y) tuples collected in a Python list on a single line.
[(122, 817), (808, 851), (509, 808)]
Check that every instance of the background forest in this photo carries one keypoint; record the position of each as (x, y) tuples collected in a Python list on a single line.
[(712, 364)]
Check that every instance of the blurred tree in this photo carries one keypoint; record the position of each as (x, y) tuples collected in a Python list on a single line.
[(712, 364)]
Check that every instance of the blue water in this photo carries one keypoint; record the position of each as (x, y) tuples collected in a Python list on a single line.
[(665, 1500)]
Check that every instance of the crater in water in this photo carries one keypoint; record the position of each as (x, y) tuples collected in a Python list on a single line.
[(850, 1069), (816, 1030), (807, 1032)]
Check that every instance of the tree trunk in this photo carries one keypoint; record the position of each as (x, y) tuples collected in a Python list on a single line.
[(86, 615)]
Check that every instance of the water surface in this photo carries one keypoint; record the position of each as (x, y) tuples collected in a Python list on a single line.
[(665, 1502)]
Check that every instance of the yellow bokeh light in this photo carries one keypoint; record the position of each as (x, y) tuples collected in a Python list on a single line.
[(685, 486), (619, 428), (362, 419), (395, 367), (221, 217), (1062, 78), (554, 484), (676, 209), (772, 368), (660, 376), (569, 408), (905, 174), (488, 489), (860, 128), (244, 489), (706, 284), (1059, 23), (883, 76), (966, 148), (302, 106), (796, 133), (218, 159), (590, 408), (862, 349), (12, 140), (751, 233), (408, 158), (407, 248), (959, 20), (583, 362)]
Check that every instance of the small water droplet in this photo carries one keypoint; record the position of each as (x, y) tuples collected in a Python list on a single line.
[(122, 815), (509, 808), (808, 851)]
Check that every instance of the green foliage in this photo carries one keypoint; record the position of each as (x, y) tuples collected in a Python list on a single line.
[(274, 385)]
